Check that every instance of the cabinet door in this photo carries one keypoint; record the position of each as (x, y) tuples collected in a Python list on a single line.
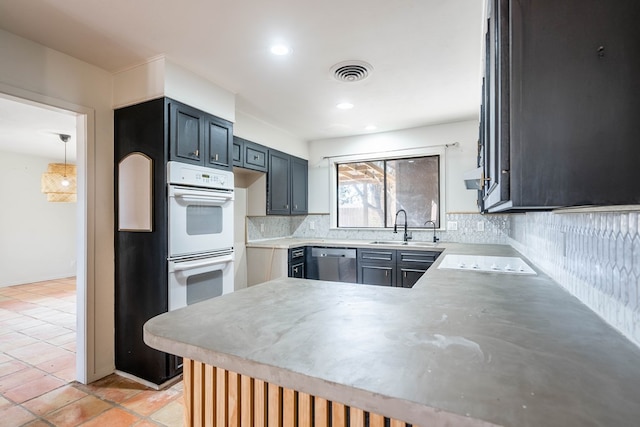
[(496, 151), (219, 141), (255, 156), (408, 276), (372, 274), (297, 270), (575, 70), (185, 134), (238, 152), (278, 184), (376, 267), (299, 186), (412, 265)]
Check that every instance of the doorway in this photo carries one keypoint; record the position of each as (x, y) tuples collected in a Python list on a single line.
[(65, 259)]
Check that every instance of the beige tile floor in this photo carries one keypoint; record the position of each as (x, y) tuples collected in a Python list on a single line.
[(37, 369)]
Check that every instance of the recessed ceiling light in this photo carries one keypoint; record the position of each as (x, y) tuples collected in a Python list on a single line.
[(280, 49), (345, 106), (371, 127)]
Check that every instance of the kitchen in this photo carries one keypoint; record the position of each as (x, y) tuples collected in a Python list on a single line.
[(531, 230)]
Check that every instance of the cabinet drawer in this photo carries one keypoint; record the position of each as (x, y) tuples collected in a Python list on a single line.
[(417, 256), (376, 254)]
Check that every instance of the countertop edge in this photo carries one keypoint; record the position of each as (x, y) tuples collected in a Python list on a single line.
[(400, 409)]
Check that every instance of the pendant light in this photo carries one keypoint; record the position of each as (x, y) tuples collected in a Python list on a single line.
[(65, 139), (59, 181)]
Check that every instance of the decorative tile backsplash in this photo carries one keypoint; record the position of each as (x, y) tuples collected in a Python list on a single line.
[(595, 256), (495, 229)]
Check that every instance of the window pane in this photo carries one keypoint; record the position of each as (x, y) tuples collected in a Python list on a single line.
[(413, 185), (361, 194)]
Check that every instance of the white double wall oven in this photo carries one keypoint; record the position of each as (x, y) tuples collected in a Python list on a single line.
[(200, 208)]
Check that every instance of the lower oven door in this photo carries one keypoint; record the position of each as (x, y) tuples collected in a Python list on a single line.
[(196, 279), (200, 220)]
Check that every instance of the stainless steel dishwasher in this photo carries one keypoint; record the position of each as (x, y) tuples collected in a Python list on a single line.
[(333, 264)]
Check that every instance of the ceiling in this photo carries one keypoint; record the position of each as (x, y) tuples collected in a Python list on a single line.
[(426, 54), (34, 130)]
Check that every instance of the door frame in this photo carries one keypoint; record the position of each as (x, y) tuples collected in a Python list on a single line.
[(85, 214)]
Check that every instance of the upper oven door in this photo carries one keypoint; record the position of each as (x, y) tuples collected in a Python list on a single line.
[(200, 220)]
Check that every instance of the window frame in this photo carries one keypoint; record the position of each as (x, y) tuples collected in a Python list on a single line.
[(405, 154)]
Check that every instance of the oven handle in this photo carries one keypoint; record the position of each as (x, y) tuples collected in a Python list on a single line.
[(209, 200), (190, 265), (177, 191)]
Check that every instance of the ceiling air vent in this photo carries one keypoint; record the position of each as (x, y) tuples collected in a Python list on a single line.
[(351, 71)]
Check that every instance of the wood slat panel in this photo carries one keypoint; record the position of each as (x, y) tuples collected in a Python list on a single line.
[(274, 410), (356, 417), (260, 403), (209, 396), (233, 399), (214, 397), (376, 420), (187, 392), (289, 416), (221, 397), (246, 401), (305, 411), (338, 415), (321, 415), (198, 393)]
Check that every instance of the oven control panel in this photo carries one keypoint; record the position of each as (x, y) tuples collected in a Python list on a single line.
[(198, 176)]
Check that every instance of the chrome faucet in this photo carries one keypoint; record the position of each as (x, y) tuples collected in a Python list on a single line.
[(435, 239), (407, 236)]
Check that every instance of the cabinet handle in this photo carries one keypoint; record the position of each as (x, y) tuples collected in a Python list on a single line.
[(505, 171), (405, 274), (295, 206), (386, 273), (286, 206), (196, 153), (256, 157), (215, 158), (483, 180)]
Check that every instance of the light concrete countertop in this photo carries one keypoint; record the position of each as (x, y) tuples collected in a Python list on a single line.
[(461, 348)]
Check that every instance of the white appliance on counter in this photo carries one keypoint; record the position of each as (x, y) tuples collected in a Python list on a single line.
[(201, 255), (493, 264)]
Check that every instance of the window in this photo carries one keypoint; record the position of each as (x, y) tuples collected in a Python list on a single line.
[(369, 193)]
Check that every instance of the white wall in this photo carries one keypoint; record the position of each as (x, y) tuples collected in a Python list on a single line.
[(32, 71), (38, 237), (256, 130), (239, 238), (459, 159), (161, 77)]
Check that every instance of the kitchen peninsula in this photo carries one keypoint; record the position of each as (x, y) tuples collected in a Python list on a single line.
[(460, 348)]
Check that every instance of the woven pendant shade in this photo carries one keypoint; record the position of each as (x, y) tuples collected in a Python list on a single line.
[(51, 183)]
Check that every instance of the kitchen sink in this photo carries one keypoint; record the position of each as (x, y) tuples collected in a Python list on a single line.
[(397, 243)]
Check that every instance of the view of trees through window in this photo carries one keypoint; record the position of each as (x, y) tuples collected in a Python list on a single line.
[(371, 192)]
